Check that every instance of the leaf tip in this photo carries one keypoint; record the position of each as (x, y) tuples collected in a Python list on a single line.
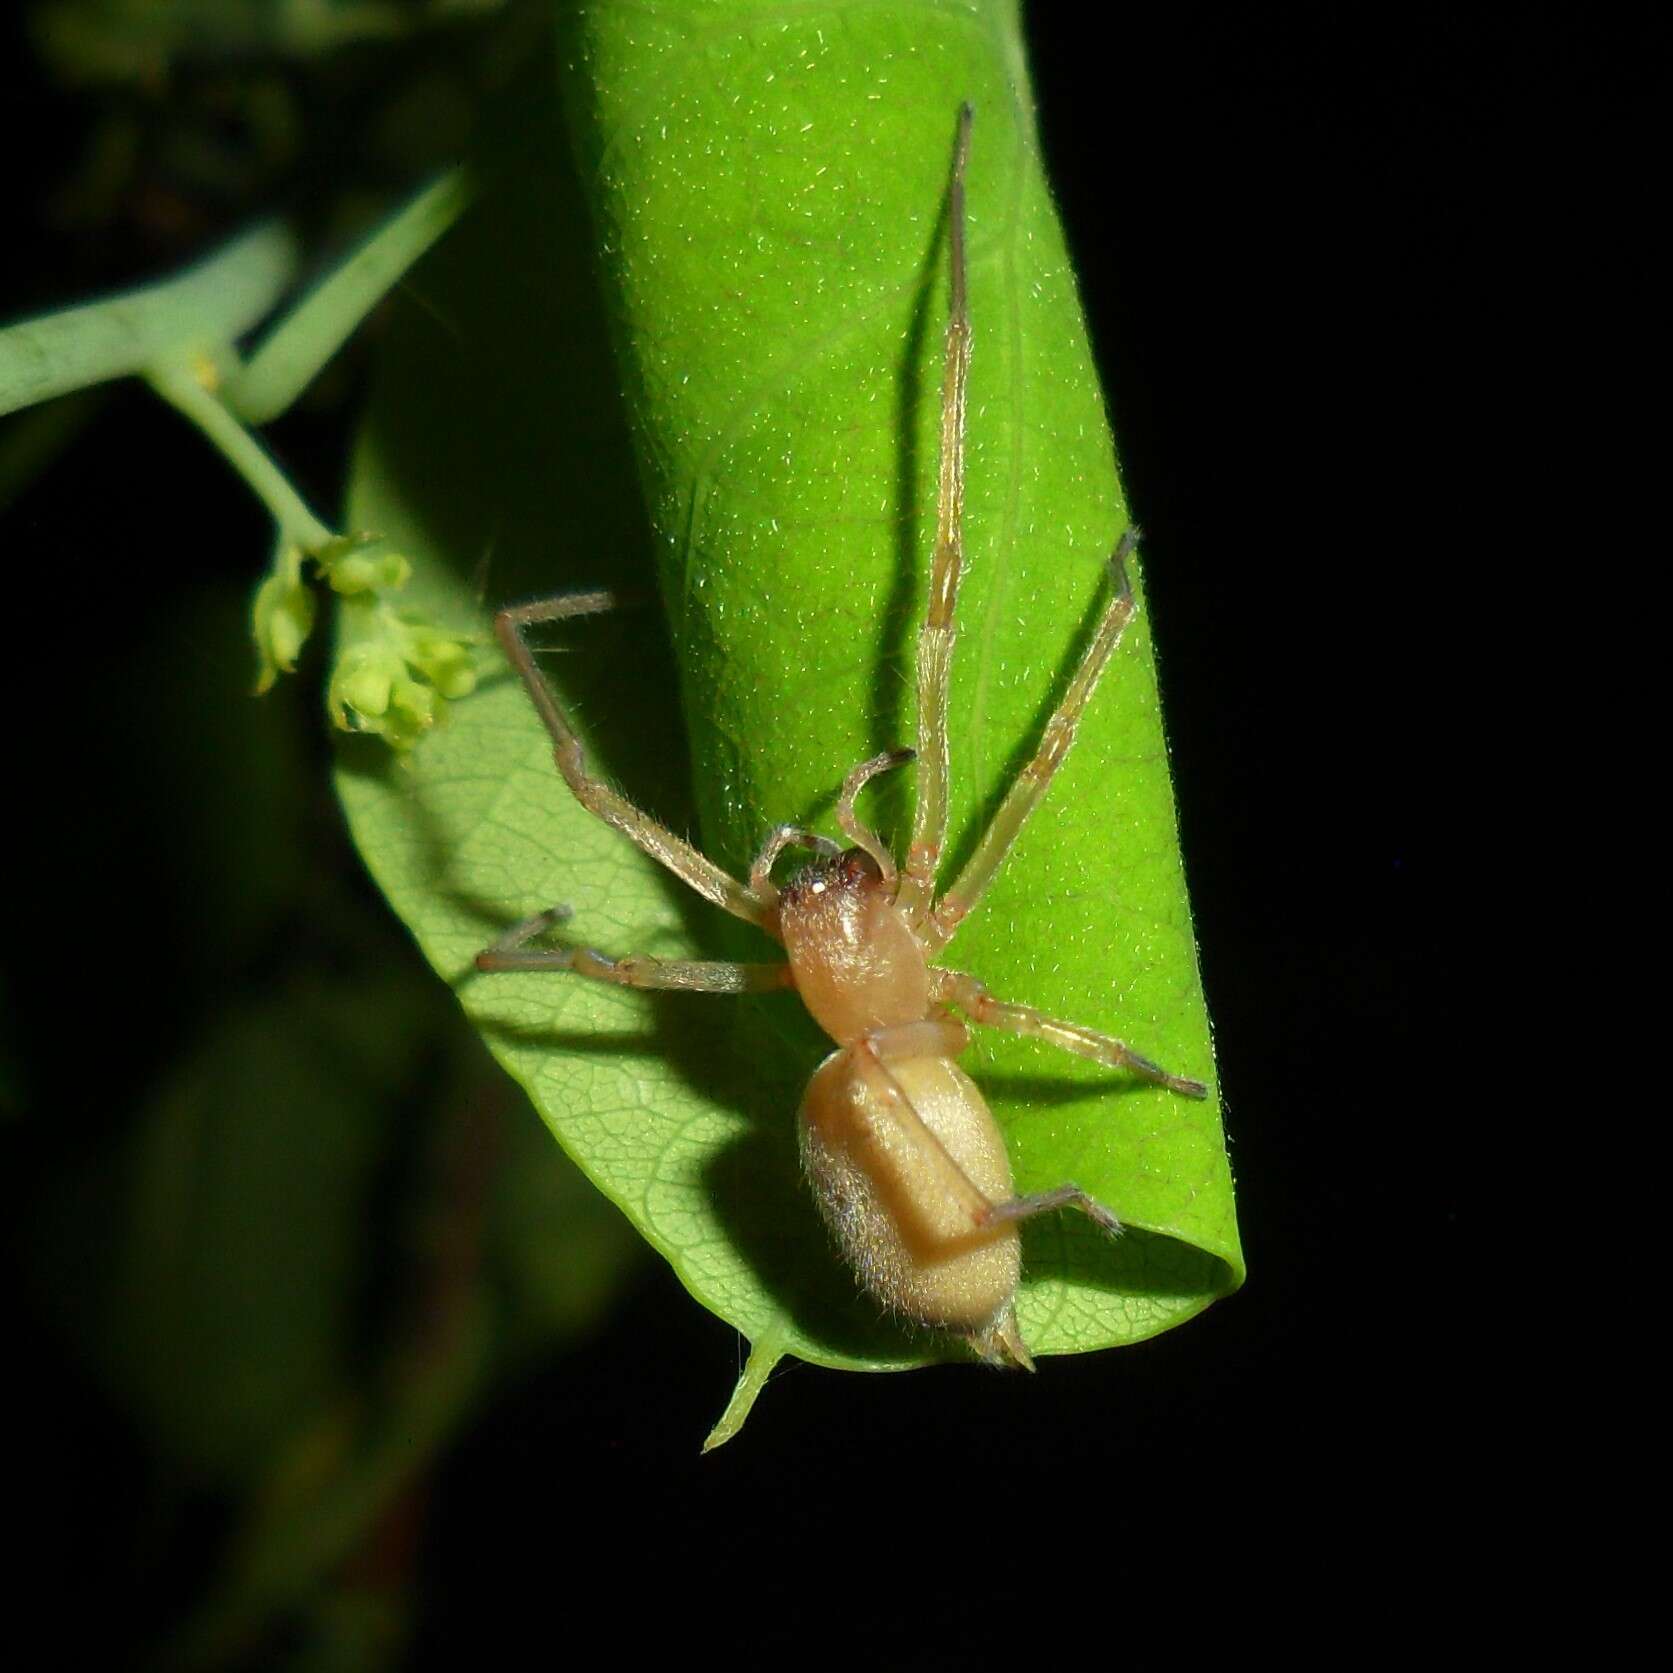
[(764, 1354)]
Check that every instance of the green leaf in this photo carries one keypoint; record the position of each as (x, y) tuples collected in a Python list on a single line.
[(767, 190)]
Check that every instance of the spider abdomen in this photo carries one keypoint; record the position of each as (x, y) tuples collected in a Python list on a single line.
[(913, 1243)]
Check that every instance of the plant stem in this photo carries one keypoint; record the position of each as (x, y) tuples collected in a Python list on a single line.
[(210, 304), (294, 350), (179, 383)]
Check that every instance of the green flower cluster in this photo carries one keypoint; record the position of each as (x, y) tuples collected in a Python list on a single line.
[(395, 674), (395, 677), (282, 616)]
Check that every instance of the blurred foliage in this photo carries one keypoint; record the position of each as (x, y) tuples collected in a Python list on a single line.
[(198, 112), (305, 1240), (285, 1222), (142, 40)]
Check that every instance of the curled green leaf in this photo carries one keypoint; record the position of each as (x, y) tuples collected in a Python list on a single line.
[(767, 200)]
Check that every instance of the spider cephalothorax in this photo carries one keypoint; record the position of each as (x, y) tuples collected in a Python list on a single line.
[(857, 964)]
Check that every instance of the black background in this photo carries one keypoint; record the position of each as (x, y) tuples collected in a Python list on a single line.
[(1299, 234)]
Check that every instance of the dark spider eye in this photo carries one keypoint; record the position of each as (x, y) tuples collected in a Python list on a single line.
[(857, 866)]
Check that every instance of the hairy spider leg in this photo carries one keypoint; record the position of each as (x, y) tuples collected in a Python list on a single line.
[(512, 952), (946, 1038), (954, 987), (1048, 1202), (862, 836), (939, 630), (779, 838), (1029, 787), (593, 793), (872, 1054)]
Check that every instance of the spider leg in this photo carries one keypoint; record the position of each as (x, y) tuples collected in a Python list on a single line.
[(678, 855), (512, 952), (872, 1056), (929, 1157), (1048, 1202), (779, 838), (862, 836), (1029, 787), (520, 934), (953, 987), (935, 638)]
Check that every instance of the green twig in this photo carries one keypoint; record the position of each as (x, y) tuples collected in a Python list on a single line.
[(179, 384), (307, 337), (210, 304)]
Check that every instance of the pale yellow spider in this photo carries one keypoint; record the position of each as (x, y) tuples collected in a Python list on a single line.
[(903, 1154)]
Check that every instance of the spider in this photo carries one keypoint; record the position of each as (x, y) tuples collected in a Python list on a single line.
[(902, 1153)]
